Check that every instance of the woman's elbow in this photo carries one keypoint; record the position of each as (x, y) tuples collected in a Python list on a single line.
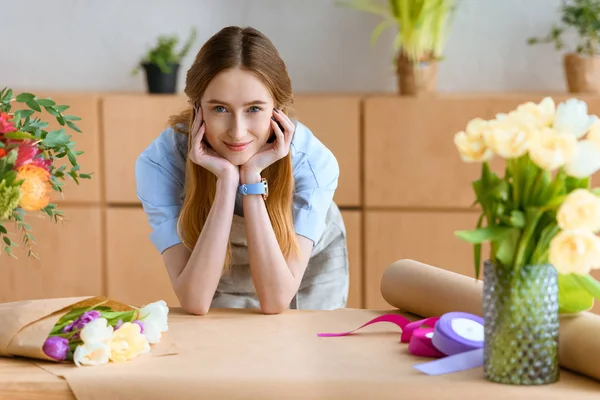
[(273, 307), (195, 309)]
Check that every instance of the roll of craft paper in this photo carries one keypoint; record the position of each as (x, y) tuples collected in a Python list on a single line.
[(428, 291)]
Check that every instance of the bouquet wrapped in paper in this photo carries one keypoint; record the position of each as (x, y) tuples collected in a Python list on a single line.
[(83, 330)]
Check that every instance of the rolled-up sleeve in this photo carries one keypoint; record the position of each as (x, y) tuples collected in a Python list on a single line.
[(316, 179), (159, 188)]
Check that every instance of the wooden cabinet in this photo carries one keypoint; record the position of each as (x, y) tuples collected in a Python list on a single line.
[(425, 236), (335, 121), (136, 273), (70, 258), (130, 123)]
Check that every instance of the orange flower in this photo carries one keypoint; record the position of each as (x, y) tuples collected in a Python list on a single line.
[(2, 152), (35, 188)]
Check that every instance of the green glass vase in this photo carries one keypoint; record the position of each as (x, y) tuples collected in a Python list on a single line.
[(521, 324)]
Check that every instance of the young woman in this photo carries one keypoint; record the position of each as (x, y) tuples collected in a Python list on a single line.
[(238, 194)]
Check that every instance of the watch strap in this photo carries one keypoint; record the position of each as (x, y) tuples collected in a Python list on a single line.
[(253, 188)]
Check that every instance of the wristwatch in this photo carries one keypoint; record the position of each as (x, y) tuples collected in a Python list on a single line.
[(261, 187)]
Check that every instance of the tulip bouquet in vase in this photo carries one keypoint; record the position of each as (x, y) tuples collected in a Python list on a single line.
[(540, 219)]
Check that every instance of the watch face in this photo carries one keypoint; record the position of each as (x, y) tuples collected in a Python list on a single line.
[(266, 188)]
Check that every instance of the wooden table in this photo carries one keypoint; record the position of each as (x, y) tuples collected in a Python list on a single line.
[(242, 354)]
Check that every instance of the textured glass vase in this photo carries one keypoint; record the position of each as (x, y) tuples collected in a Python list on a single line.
[(521, 325)]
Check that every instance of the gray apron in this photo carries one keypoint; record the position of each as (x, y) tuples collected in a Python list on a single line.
[(324, 285)]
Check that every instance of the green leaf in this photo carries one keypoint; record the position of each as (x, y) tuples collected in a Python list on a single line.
[(73, 126), (71, 157), (19, 135), (477, 249), (572, 183), (52, 111), (56, 138), (3, 229), (6, 240), (571, 297), (517, 219), (22, 114), (71, 118), (588, 283), (508, 247), (85, 176), (490, 233), (61, 108), (46, 102), (34, 105), (25, 97)]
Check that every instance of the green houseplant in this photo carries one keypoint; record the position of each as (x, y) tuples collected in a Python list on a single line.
[(581, 66), (161, 63), (422, 31)]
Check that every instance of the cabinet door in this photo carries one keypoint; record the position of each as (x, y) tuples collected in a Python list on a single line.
[(335, 121), (136, 273), (70, 258), (85, 106), (131, 123), (353, 223), (426, 236)]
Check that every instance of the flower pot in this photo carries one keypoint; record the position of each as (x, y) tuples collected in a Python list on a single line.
[(416, 79), (161, 82), (582, 73), (521, 324)]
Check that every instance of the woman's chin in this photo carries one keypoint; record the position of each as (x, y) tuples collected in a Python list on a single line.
[(238, 159)]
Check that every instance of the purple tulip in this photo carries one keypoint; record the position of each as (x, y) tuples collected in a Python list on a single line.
[(141, 324), (82, 321), (56, 347)]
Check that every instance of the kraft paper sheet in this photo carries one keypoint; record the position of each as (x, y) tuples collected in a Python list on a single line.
[(429, 291), (242, 354)]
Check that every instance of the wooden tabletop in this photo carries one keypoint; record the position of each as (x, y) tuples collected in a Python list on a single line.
[(235, 354)]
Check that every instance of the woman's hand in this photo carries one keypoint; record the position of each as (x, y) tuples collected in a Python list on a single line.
[(271, 152), (202, 155)]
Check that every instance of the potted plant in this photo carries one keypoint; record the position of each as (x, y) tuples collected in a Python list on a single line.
[(162, 63), (422, 32), (582, 66), (541, 219)]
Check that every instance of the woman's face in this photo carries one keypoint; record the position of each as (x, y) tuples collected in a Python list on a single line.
[(237, 109)]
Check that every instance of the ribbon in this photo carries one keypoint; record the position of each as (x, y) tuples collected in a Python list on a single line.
[(455, 338)]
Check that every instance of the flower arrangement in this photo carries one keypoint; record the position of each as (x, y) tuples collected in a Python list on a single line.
[(98, 334), (29, 170), (543, 209)]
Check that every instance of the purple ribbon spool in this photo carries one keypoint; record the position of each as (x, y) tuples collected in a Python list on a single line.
[(446, 338), (460, 336)]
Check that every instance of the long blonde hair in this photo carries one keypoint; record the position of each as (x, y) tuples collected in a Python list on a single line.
[(247, 48)]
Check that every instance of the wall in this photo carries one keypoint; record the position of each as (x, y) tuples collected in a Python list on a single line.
[(76, 45)]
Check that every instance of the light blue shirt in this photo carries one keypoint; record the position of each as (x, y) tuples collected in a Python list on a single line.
[(160, 177)]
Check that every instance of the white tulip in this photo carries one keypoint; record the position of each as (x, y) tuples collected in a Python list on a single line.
[(587, 161), (155, 319), (97, 331), (572, 118), (91, 354)]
